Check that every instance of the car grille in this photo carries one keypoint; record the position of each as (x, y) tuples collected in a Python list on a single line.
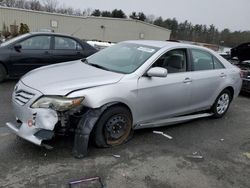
[(22, 97)]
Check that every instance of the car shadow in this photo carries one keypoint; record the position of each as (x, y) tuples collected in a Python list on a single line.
[(245, 94)]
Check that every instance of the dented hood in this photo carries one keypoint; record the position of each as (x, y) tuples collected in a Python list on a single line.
[(61, 79)]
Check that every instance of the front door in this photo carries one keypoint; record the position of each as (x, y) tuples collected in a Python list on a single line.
[(35, 52), (165, 97)]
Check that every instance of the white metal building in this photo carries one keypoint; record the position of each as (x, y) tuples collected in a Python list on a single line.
[(90, 28)]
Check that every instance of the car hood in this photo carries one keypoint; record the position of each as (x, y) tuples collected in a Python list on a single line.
[(63, 78)]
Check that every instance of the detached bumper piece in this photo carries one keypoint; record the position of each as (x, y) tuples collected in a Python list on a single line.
[(44, 134), (30, 134), (24, 132)]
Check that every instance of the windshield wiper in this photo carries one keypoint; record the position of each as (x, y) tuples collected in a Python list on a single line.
[(99, 66), (94, 65), (84, 60)]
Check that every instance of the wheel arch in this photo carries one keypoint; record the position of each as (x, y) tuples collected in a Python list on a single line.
[(118, 103), (231, 90)]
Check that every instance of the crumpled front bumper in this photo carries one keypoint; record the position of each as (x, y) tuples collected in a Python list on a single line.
[(31, 123)]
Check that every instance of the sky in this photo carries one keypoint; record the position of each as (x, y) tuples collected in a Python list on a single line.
[(232, 14)]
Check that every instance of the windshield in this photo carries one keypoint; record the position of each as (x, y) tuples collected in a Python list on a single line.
[(123, 58), (14, 39)]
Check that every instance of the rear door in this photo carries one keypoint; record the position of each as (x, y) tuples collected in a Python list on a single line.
[(208, 76), (169, 96), (66, 49), (35, 52)]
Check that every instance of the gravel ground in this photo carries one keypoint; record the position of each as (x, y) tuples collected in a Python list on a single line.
[(148, 160)]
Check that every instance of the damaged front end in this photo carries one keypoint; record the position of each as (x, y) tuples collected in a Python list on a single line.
[(39, 117), (34, 125)]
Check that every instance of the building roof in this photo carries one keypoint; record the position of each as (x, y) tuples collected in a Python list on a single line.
[(85, 17)]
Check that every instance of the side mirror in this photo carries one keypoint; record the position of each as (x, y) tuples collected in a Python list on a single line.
[(157, 72), (18, 47)]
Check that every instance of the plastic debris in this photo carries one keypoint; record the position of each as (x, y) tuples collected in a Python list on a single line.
[(48, 147), (163, 134), (116, 156), (222, 139), (195, 155), (86, 180), (84, 129), (247, 154)]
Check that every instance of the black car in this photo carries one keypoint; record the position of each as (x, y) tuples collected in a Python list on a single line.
[(242, 53), (245, 71), (32, 50)]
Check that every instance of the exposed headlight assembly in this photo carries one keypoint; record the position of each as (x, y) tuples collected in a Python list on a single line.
[(57, 103)]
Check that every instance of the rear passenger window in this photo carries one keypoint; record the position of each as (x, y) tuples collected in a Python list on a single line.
[(64, 43), (218, 64), (202, 60)]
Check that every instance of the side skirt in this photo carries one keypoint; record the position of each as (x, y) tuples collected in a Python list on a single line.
[(171, 121)]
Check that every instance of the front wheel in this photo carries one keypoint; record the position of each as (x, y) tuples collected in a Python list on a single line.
[(114, 127), (222, 104)]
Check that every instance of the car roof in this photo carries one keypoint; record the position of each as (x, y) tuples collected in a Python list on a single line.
[(50, 33), (163, 44)]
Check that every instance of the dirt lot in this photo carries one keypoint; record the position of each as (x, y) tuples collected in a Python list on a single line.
[(148, 160)]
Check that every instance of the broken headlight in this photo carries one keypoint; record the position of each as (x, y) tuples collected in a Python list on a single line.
[(57, 103)]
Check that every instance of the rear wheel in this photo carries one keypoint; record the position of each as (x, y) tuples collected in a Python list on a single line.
[(222, 104), (113, 128), (3, 73)]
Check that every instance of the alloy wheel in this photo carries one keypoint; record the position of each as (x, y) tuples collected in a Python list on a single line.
[(223, 103)]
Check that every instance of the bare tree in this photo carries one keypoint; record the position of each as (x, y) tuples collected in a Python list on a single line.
[(150, 18), (35, 5), (50, 5), (21, 4), (77, 12), (62, 9), (9, 3), (87, 12)]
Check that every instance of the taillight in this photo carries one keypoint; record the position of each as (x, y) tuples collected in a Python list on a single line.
[(241, 73)]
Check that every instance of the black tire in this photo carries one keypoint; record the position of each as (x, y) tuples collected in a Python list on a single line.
[(117, 117), (3, 73), (218, 109)]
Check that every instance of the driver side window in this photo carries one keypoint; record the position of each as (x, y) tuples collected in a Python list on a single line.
[(174, 61), (36, 43)]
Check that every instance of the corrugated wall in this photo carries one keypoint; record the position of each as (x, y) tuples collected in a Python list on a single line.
[(105, 29)]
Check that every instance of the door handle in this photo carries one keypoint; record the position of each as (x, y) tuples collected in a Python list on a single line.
[(223, 75), (187, 80)]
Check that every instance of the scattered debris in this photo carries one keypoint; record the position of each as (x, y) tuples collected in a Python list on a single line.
[(86, 180), (116, 156), (48, 147), (195, 155), (163, 134), (247, 154)]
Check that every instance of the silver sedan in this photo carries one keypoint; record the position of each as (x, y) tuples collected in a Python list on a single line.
[(128, 86)]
